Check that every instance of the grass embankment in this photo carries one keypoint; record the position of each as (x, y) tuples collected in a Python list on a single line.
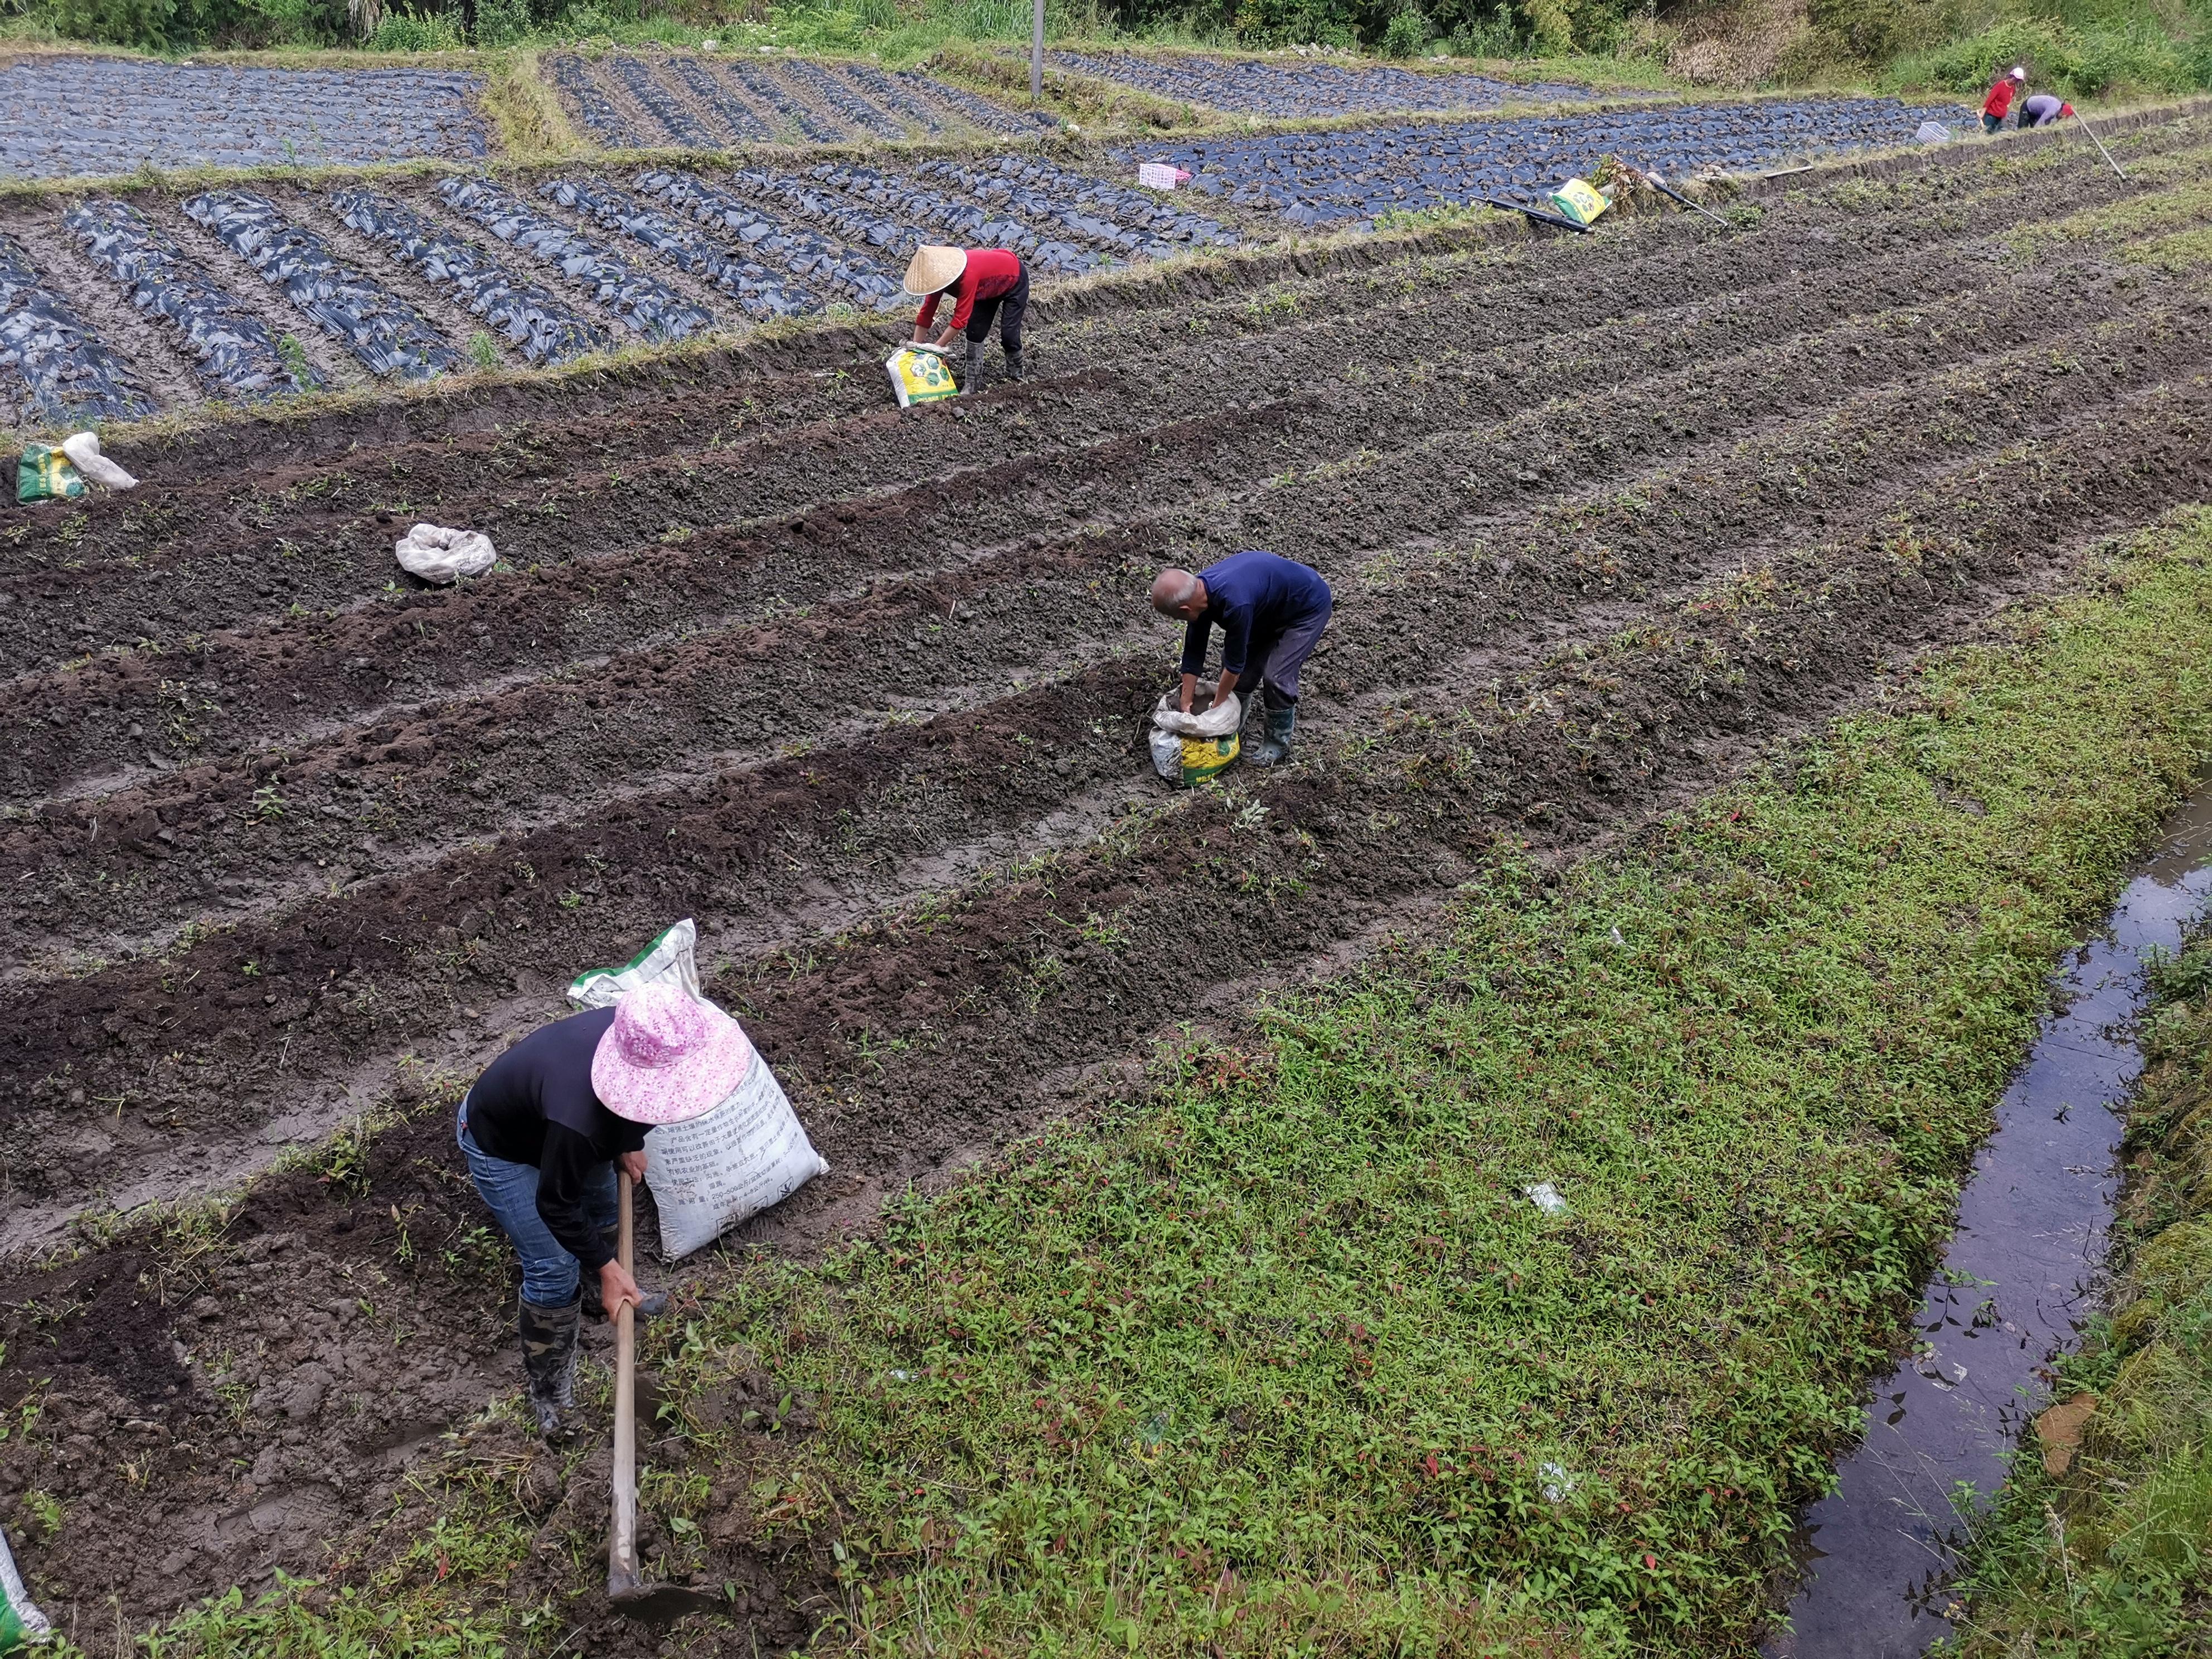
[(1284, 1359), (2106, 1549)]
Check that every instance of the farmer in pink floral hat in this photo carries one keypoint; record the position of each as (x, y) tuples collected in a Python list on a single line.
[(543, 1130)]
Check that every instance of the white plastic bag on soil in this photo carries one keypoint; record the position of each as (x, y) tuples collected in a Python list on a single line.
[(748, 1154), (21, 1624), (83, 450), (438, 555), (1217, 721)]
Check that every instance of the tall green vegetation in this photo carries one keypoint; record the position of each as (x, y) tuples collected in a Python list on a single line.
[(2078, 48)]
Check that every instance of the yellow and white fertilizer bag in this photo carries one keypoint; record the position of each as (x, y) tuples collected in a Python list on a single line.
[(1189, 749), (750, 1152), (21, 1624), (919, 376), (1579, 201)]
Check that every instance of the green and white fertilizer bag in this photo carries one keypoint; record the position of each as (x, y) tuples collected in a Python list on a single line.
[(920, 375), (45, 474), (22, 1625), (1189, 749), (720, 1169)]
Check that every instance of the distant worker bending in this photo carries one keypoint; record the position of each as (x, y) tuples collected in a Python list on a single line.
[(983, 283), (1271, 612), (2042, 110), (1998, 104)]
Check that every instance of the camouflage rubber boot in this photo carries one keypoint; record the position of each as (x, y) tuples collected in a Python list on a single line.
[(549, 1361), (972, 378), (1013, 364), (1274, 746)]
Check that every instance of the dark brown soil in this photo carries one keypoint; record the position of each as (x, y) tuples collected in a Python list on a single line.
[(864, 692)]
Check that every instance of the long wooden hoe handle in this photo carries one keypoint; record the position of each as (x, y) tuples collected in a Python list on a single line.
[(2099, 143), (622, 1577)]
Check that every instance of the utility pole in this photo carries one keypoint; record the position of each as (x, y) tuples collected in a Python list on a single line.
[(1036, 51)]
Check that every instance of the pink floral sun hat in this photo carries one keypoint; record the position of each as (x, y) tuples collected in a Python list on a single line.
[(668, 1057)]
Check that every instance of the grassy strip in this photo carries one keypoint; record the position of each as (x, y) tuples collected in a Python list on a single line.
[(2105, 1553), (1286, 1360)]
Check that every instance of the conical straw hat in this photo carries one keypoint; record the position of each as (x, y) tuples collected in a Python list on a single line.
[(934, 269)]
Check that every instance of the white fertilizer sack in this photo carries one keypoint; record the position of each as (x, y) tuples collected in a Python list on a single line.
[(722, 1167), (21, 1624), (83, 450), (439, 555)]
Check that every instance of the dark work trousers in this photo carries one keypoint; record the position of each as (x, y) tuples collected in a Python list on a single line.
[(1009, 308)]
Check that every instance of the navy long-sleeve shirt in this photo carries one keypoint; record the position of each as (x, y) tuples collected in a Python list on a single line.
[(1251, 595), (535, 1104)]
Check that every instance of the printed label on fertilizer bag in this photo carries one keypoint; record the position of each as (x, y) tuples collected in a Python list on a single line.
[(45, 474), (1202, 758), (21, 1624), (918, 377), (1578, 202)]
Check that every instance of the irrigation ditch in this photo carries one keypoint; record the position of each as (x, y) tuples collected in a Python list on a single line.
[(293, 850)]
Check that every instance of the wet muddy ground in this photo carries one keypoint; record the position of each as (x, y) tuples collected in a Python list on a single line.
[(289, 840)]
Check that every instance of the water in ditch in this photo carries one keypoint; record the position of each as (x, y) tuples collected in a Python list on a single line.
[(2016, 1281)]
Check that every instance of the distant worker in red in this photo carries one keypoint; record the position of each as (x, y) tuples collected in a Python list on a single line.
[(983, 284), (1998, 104), (2042, 110)]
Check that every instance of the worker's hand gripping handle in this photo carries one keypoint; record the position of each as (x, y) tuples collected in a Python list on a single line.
[(622, 1577)]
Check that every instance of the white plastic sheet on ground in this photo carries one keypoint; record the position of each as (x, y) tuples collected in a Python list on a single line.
[(1545, 1197), (750, 1152), (438, 555)]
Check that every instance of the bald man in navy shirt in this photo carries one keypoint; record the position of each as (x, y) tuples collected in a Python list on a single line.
[(1271, 612)]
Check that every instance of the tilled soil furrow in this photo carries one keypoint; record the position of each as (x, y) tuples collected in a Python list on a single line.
[(1674, 271), (234, 692), (1111, 945), (340, 979)]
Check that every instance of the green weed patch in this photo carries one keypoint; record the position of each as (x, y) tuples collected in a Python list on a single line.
[(1288, 1359)]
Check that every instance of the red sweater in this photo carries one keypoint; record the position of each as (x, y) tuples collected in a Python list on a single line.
[(991, 274), (1999, 102)]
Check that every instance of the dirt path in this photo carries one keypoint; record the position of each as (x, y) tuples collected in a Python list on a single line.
[(864, 692)]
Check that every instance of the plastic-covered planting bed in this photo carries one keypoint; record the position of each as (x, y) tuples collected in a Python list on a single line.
[(1347, 177), (741, 119), (824, 262), (1254, 86), (961, 222), (892, 94), (768, 89), (67, 116), (641, 304), (864, 226), (680, 126), (971, 107), (1166, 216), (533, 321), (379, 327), (1012, 181), (602, 118), (756, 288), (67, 374), (841, 97), (238, 358)]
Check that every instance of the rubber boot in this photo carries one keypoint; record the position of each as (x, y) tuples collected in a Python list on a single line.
[(1274, 744), (972, 378), (1013, 364), (548, 1362)]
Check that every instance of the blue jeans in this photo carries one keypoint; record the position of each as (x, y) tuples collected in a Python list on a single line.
[(549, 1273)]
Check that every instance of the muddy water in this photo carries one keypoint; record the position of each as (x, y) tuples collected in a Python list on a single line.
[(2014, 1285)]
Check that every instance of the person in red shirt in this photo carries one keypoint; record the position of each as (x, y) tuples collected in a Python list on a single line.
[(1998, 104), (983, 284)]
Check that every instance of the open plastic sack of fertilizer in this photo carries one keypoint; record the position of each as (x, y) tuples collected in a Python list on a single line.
[(1189, 749), (750, 1151), (21, 1624), (920, 375)]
